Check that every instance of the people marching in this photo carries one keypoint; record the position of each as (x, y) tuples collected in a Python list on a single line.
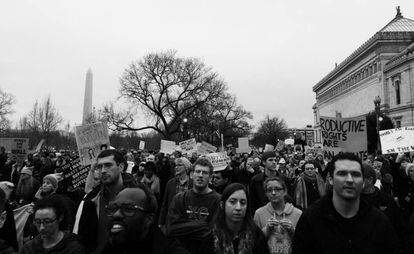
[(278, 201)]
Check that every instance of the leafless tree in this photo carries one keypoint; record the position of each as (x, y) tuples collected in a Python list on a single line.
[(168, 88), (6, 102), (270, 130)]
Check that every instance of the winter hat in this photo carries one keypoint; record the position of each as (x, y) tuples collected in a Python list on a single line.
[(52, 179), (27, 170), (186, 162), (267, 155)]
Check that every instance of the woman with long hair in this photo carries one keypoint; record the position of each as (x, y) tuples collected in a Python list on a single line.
[(27, 186), (234, 230)]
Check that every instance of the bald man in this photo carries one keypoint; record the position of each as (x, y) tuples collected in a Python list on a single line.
[(133, 227)]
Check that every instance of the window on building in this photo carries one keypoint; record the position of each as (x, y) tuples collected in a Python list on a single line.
[(375, 67), (398, 124), (397, 86)]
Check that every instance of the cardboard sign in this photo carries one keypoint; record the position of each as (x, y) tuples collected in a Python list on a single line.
[(188, 146), (219, 160), (397, 140), (91, 139), (290, 141), (243, 145), (269, 148), (205, 148), (167, 147), (344, 135), (17, 147), (141, 145), (74, 173)]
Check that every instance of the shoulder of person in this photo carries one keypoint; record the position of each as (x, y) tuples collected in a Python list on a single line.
[(258, 178)]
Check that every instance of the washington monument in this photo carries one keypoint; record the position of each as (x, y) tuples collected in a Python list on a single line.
[(87, 103)]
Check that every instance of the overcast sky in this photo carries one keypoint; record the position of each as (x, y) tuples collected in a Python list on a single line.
[(270, 52)]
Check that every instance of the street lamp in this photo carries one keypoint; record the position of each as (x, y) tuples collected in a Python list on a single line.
[(377, 103), (185, 128)]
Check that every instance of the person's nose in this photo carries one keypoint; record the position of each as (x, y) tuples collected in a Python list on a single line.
[(349, 178), (41, 227), (238, 206)]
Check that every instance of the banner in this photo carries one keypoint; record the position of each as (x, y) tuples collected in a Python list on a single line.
[(290, 141), (74, 173), (243, 145), (188, 146), (399, 140), (167, 147), (219, 160), (205, 148), (91, 139), (17, 147), (344, 135)]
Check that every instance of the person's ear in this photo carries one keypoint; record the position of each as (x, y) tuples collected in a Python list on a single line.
[(221, 204), (330, 179), (121, 166)]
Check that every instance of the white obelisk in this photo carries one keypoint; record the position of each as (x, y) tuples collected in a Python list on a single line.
[(87, 103)]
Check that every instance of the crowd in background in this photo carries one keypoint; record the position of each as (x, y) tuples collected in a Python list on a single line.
[(181, 204)]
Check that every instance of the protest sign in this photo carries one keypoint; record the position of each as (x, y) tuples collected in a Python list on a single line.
[(269, 148), (397, 140), (167, 147), (74, 173), (205, 148), (188, 146), (39, 145), (17, 147), (344, 135), (141, 145), (91, 139), (289, 141), (243, 146), (219, 160), (280, 145)]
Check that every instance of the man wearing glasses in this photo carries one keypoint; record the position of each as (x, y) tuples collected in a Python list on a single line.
[(191, 211), (341, 222), (132, 226), (91, 219)]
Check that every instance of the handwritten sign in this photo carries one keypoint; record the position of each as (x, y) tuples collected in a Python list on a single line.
[(219, 160), (243, 145), (17, 147), (74, 173), (167, 147), (397, 140), (141, 145), (344, 135), (91, 139), (188, 146), (205, 148)]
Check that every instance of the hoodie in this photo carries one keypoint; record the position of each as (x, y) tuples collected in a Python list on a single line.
[(280, 239)]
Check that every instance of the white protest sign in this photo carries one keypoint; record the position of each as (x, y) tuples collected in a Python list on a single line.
[(131, 164), (91, 139), (167, 147), (243, 145), (188, 146), (397, 140), (205, 148), (17, 147), (269, 148), (344, 135), (280, 145), (219, 160), (141, 145), (290, 141)]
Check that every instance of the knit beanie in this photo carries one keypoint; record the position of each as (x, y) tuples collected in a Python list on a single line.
[(52, 179), (267, 155), (27, 170)]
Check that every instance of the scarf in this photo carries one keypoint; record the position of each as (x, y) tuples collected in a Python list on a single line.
[(300, 194), (223, 244)]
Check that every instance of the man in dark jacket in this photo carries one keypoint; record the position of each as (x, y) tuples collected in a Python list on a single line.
[(91, 219), (133, 225), (341, 222)]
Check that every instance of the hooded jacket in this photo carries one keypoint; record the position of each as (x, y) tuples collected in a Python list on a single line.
[(321, 229), (280, 240)]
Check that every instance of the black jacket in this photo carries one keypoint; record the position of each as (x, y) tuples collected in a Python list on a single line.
[(321, 229)]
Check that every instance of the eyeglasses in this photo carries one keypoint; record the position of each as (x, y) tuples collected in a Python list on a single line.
[(45, 222), (275, 189), (127, 210)]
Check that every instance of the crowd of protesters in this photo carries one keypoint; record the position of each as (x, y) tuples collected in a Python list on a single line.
[(277, 202)]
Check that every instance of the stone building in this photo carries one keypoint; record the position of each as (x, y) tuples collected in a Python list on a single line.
[(383, 66)]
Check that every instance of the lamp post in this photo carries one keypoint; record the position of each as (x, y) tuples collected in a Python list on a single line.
[(185, 128), (377, 103)]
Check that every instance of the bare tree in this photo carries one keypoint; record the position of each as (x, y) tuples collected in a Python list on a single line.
[(270, 130), (43, 118), (167, 88), (6, 101)]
